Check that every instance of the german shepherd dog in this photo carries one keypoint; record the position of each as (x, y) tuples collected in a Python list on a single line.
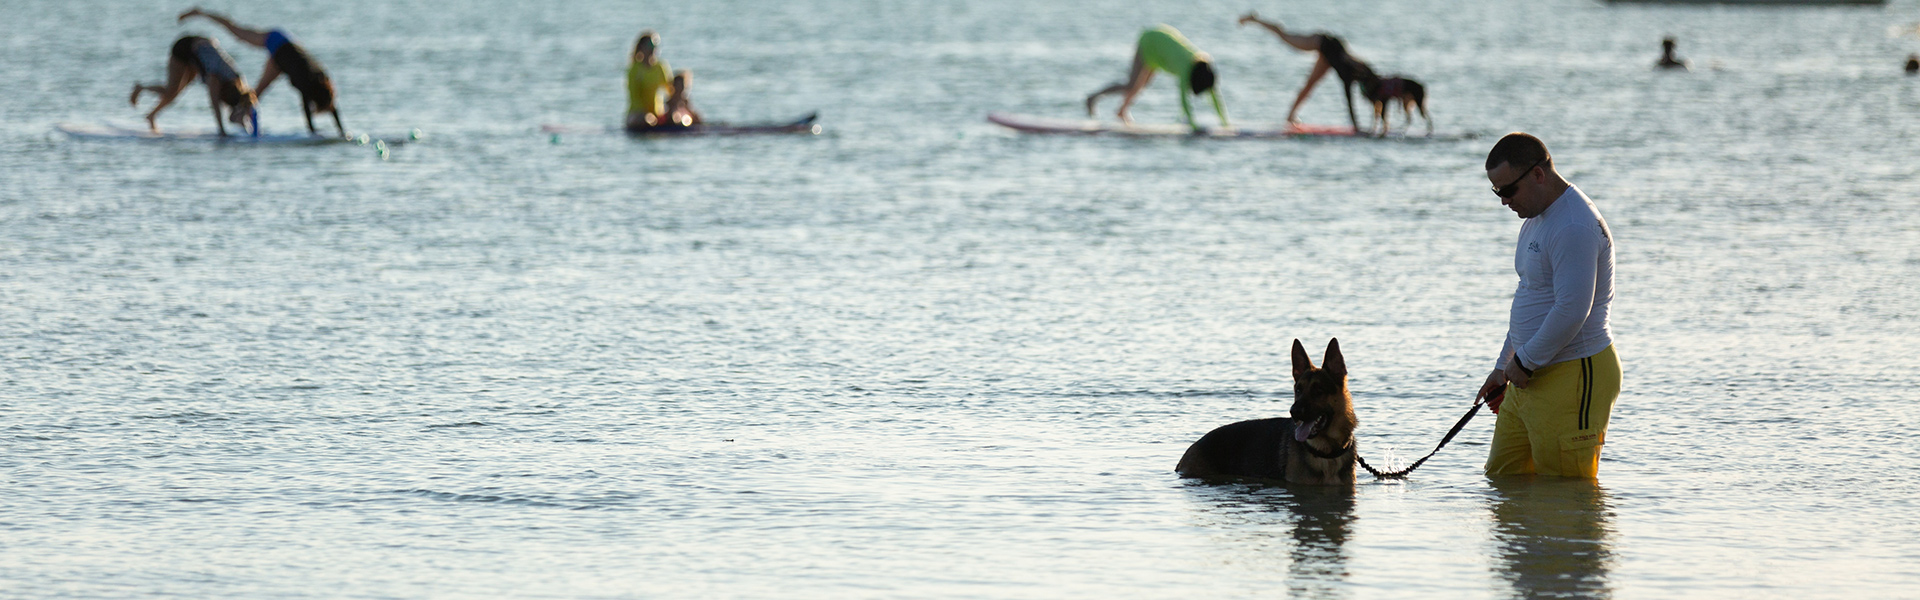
[(1315, 446), (1383, 91)]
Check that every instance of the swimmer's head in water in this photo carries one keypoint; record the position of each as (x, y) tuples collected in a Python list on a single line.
[(1201, 79), (647, 43), (1667, 45)]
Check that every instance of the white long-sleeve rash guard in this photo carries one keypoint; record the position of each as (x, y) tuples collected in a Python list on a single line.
[(1565, 261)]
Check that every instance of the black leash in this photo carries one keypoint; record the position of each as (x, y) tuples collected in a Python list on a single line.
[(1402, 474)]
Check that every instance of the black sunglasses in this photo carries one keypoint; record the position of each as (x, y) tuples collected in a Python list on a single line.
[(1508, 190)]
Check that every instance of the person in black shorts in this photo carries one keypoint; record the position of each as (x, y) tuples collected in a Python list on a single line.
[(1332, 55), (194, 57), (288, 58)]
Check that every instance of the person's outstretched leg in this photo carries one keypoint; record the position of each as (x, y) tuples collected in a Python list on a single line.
[(1307, 43), (1320, 69), (1094, 98), (1130, 87), (1304, 43), (1137, 79), (254, 37), (179, 76), (267, 75)]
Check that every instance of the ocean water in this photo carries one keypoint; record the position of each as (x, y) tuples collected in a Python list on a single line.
[(919, 356)]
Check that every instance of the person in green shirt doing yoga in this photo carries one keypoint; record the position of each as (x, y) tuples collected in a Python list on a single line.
[(1163, 49)]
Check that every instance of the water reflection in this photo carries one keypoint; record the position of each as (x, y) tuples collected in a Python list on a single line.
[(1553, 536), (1320, 520)]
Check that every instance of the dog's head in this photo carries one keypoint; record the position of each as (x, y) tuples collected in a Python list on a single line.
[(1322, 407)]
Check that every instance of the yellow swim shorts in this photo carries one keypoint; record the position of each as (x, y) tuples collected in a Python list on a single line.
[(1557, 424)]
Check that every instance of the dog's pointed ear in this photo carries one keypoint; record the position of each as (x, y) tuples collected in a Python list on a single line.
[(1301, 364), (1333, 362)]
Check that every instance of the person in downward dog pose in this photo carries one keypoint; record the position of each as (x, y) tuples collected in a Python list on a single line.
[(285, 57), (1163, 49), (1331, 55), (194, 57)]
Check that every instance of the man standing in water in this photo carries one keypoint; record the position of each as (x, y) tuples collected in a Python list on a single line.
[(1558, 369)]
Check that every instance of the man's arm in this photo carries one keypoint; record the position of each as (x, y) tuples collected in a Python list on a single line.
[(1574, 256)]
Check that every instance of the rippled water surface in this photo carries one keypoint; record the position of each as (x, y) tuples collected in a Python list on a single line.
[(920, 356)]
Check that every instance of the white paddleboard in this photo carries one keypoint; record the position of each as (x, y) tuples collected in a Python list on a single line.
[(234, 136)]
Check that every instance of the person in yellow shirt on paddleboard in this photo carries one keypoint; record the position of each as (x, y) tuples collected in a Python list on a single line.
[(648, 81), (1163, 49)]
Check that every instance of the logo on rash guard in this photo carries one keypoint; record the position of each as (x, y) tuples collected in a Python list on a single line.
[(1533, 247)]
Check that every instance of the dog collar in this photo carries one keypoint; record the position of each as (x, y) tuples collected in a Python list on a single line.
[(1329, 455)]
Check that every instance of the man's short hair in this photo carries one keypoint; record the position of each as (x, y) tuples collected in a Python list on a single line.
[(1519, 149)]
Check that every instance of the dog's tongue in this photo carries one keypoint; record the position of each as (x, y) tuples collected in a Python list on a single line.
[(1302, 432)]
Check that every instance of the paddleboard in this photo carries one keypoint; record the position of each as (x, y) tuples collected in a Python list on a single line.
[(803, 125), (115, 132), (1037, 124)]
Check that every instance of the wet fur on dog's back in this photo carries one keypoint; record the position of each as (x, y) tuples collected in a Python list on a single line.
[(1272, 449)]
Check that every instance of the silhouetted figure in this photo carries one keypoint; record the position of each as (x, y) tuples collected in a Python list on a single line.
[(1163, 49), (680, 103), (1331, 54), (284, 57), (649, 81), (1913, 64), (1668, 60), (194, 57)]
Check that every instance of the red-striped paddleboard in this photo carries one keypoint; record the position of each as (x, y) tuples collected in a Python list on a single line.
[(1035, 124)]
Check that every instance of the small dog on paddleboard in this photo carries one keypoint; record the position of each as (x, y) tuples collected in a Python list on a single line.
[(1315, 446), (1382, 92)]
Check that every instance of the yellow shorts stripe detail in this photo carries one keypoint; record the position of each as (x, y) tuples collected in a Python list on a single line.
[(1557, 424)]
